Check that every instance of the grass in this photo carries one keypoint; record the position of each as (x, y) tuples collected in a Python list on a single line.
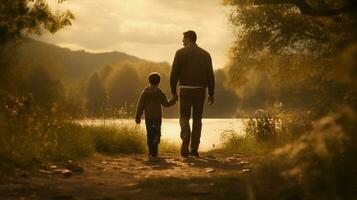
[(27, 147), (247, 145), (115, 140)]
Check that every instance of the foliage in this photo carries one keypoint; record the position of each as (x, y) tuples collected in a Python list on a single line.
[(320, 161), (114, 140), (30, 135), (269, 124), (289, 56), (96, 95), (263, 132), (117, 83), (33, 83), (22, 16)]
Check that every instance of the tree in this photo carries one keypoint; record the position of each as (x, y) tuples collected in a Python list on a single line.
[(96, 95), (22, 17), (123, 86), (29, 16), (34, 81), (294, 48), (317, 8), (105, 71)]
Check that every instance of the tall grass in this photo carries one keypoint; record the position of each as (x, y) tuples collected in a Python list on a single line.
[(29, 136), (262, 134), (318, 164), (115, 140)]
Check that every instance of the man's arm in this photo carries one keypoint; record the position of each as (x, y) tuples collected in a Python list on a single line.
[(211, 81), (175, 72), (139, 109)]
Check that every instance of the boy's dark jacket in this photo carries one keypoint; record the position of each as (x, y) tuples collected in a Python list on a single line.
[(150, 101)]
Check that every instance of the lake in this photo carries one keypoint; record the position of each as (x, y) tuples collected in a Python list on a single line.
[(170, 129)]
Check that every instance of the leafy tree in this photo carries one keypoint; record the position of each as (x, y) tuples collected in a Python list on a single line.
[(294, 46), (30, 16), (96, 95), (34, 81), (105, 71), (123, 86), (19, 18)]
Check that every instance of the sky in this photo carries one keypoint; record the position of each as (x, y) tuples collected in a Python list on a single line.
[(148, 29)]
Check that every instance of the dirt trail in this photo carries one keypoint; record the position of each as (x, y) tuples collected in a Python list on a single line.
[(125, 177)]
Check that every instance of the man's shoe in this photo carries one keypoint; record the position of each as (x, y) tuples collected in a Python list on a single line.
[(184, 152), (195, 153)]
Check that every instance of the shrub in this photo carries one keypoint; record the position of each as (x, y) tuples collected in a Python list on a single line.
[(121, 139)]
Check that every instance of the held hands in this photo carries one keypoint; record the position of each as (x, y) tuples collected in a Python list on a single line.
[(137, 120), (210, 100), (175, 97)]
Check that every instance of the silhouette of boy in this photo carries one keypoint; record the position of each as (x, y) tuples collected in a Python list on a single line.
[(150, 101)]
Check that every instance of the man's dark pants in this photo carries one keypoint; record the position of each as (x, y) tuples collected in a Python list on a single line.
[(191, 99), (153, 130)]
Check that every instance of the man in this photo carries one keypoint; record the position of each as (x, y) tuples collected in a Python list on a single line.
[(192, 68)]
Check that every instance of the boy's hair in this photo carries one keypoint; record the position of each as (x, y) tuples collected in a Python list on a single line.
[(154, 78), (191, 35)]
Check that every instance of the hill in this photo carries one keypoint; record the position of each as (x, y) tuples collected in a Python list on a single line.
[(72, 64)]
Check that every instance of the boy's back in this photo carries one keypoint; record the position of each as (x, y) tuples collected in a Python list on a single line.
[(151, 99)]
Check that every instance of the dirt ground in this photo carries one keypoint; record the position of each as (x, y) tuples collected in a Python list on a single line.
[(132, 177)]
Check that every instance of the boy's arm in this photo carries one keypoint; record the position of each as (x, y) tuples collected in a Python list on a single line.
[(139, 109), (165, 102)]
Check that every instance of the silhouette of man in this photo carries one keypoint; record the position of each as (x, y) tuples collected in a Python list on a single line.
[(192, 68)]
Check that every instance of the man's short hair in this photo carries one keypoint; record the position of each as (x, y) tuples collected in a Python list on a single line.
[(154, 78), (191, 35)]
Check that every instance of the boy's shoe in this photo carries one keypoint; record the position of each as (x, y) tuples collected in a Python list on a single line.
[(154, 151), (195, 154), (154, 159)]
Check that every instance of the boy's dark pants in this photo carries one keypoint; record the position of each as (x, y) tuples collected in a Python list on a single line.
[(191, 99), (153, 130)]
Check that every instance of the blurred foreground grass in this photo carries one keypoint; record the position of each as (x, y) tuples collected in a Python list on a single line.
[(70, 141)]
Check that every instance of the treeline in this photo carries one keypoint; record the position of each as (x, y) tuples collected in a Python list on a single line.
[(112, 90), (88, 86)]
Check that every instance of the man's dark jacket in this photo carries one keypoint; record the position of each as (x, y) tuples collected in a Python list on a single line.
[(192, 66)]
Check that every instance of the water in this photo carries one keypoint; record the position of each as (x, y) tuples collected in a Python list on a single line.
[(170, 129)]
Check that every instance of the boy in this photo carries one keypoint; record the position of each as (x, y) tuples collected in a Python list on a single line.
[(150, 101)]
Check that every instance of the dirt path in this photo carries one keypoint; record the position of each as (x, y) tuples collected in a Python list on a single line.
[(132, 177)]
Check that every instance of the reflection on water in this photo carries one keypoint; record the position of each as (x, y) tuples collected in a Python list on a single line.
[(170, 129)]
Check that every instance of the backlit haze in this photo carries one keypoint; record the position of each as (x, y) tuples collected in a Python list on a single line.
[(148, 29)]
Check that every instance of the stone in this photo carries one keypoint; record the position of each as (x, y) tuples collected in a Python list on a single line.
[(25, 175), (210, 170), (75, 168), (53, 167), (67, 173), (45, 171), (243, 163)]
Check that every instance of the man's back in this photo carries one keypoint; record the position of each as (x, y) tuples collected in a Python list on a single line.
[(192, 67)]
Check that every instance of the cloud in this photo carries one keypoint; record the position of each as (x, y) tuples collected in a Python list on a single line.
[(150, 29)]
